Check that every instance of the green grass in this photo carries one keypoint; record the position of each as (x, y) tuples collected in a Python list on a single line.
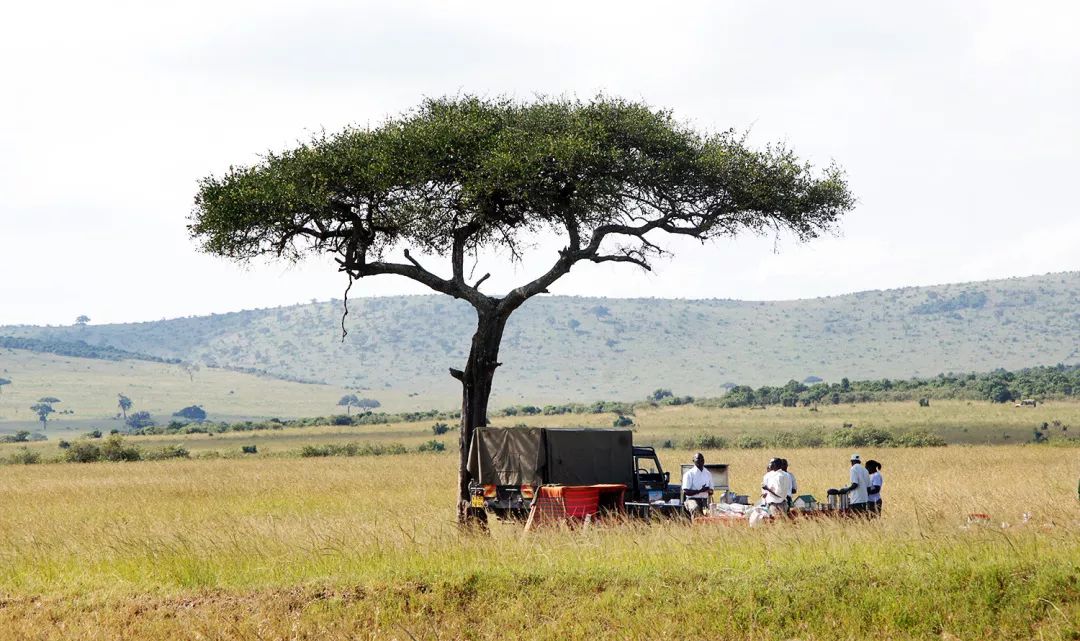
[(357, 548)]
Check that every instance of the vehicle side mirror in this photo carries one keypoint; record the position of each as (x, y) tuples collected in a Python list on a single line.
[(667, 477)]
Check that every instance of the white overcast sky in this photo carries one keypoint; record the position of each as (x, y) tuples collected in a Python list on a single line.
[(956, 121)]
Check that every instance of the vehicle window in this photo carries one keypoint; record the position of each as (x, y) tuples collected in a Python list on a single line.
[(648, 465)]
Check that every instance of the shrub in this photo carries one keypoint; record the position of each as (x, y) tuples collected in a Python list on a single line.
[(249, 449), (919, 438), (24, 456), (352, 449), (140, 420), (166, 452), (82, 452), (432, 446), (93, 434), (622, 421), (860, 437), (192, 413), (749, 442), (114, 449), (705, 442), (440, 428), (63, 445), (341, 419)]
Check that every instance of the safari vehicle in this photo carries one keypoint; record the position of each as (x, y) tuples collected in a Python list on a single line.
[(508, 464)]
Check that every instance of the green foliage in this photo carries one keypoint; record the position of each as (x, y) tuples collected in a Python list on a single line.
[(76, 348), (114, 449), (750, 442), (918, 438), (93, 434), (439, 429), (23, 456), (622, 421), (660, 394), (431, 446), (353, 449), (22, 436), (849, 437), (139, 421), (192, 413), (164, 453), (511, 168), (82, 452), (964, 300), (249, 449), (43, 410), (705, 442), (124, 403)]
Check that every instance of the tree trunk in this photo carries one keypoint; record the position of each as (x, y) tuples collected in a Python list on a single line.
[(475, 390)]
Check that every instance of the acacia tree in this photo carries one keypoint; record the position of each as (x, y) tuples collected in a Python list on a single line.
[(349, 401), (124, 403), (458, 176)]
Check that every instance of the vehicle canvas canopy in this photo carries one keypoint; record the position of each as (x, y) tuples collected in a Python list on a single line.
[(541, 455)]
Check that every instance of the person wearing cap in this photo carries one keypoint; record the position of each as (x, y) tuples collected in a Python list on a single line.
[(776, 489), (697, 486), (857, 492)]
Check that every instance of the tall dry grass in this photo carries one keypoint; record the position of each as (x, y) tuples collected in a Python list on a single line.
[(367, 548)]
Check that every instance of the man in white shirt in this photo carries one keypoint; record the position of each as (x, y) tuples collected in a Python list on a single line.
[(697, 486), (775, 489), (791, 478), (860, 483), (873, 493)]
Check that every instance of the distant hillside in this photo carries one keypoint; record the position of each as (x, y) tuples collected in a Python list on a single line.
[(566, 348)]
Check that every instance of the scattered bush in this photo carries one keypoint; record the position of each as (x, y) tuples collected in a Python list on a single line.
[(192, 413), (750, 442), (82, 452), (705, 442), (860, 437), (440, 428), (919, 438), (22, 436), (114, 449), (24, 456), (353, 449), (622, 421), (63, 445), (341, 419), (432, 446), (93, 434), (249, 449), (165, 453)]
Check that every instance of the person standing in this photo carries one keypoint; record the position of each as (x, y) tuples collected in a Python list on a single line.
[(697, 486), (776, 489), (857, 492), (791, 479), (873, 492)]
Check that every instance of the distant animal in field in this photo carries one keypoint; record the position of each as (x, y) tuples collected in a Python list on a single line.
[(1027, 402)]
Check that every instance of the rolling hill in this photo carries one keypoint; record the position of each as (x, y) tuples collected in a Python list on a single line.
[(559, 348)]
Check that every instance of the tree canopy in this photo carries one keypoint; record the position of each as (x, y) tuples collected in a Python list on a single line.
[(459, 175)]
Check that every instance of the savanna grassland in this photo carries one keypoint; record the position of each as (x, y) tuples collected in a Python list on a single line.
[(275, 546), (366, 547)]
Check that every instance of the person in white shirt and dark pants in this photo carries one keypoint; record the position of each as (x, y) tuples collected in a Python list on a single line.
[(697, 486), (858, 492), (873, 498), (776, 489)]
